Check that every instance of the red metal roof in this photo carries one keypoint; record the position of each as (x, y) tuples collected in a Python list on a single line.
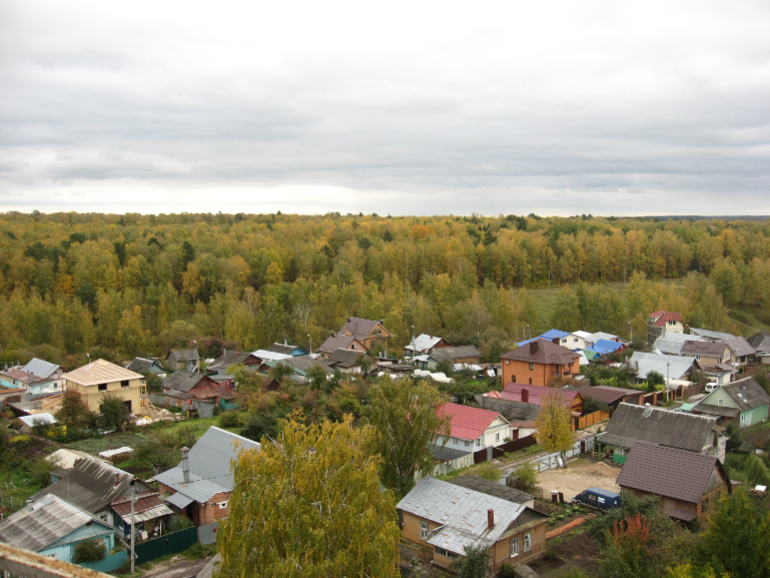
[(512, 392), (468, 423), (664, 317)]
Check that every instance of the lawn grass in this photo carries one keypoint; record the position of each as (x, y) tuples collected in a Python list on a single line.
[(109, 442), (199, 426)]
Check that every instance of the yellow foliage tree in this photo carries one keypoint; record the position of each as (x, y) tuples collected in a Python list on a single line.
[(553, 423)]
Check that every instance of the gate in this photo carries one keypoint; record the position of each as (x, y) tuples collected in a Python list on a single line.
[(169, 544)]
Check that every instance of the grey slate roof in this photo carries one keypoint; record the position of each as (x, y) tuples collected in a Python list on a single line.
[(761, 342), (335, 342), (644, 363), (714, 335), (461, 512), (492, 489), (746, 393), (740, 347), (183, 381), (452, 353), (49, 520), (668, 472), (709, 348), (283, 348), (40, 369), (231, 358), (637, 423), (345, 358), (140, 365), (513, 410), (210, 460), (183, 355), (89, 486)]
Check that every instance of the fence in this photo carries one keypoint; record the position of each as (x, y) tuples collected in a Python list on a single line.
[(169, 544), (444, 468), (555, 460), (592, 418), (111, 563), (490, 453), (208, 534), (204, 408)]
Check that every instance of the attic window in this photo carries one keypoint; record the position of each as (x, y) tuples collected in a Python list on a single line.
[(124, 383), (720, 402), (102, 387)]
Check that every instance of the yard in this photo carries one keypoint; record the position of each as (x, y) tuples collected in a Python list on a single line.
[(577, 476), (108, 442)]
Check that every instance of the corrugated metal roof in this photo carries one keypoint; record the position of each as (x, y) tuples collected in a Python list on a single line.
[(668, 472), (490, 488), (423, 342), (183, 381), (676, 366), (179, 500), (740, 347), (40, 369), (710, 334), (150, 514), (671, 343), (462, 512), (468, 423)]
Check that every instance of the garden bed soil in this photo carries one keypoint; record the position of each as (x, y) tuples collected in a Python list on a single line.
[(579, 551)]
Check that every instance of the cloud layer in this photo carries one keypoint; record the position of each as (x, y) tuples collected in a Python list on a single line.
[(401, 108)]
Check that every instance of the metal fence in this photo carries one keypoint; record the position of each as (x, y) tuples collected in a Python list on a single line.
[(169, 544), (490, 453), (208, 534), (111, 563), (556, 460)]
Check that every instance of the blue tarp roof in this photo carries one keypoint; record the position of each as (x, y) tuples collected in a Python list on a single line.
[(605, 347), (550, 335)]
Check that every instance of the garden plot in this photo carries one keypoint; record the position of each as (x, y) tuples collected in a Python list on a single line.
[(578, 476)]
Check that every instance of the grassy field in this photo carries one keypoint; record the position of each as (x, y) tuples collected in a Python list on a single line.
[(108, 442), (198, 425)]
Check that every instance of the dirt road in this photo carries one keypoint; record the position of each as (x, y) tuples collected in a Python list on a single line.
[(578, 476)]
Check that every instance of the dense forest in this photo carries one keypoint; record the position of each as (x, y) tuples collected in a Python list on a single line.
[(117, 286)]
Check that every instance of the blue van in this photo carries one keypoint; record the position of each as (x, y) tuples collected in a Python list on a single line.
[(598, 498)]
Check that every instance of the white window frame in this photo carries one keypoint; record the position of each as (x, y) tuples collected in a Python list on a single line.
[(532, 367), (743, 417), (423, 530), (497, 437), (527, 541), (514, 547), (478, 442), (222, 505), (720, 402)]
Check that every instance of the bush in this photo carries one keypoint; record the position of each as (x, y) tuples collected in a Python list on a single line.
[(90, 551), (507, 571), (230, 419), (185, 437), (526, 475), (488, 472), (179, 523)]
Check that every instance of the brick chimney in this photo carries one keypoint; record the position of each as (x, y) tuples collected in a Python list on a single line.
[(490, 518), (524, 395), (534, 346), (117, 479), (185, 465)]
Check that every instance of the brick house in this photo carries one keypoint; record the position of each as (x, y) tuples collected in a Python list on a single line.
[(446, 519), (200, 486), (687, 483), (539, 362)]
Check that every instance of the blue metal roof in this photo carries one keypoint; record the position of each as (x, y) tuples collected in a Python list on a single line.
[(553, 333)]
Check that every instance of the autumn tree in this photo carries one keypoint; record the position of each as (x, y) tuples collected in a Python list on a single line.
[(554, 424), (310, 505), (405, 420), (74, 413), (114, 413)]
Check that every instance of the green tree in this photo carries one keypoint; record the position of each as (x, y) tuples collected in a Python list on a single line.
[(554, 424), (89, 551), (475, 563), (114, 413), (74, 413), (310, 505), (737, 539), (406, 422)]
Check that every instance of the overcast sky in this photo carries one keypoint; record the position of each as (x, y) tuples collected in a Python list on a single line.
[(557, 108)]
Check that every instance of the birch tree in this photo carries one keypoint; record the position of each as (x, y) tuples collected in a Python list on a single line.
[(553, 424)]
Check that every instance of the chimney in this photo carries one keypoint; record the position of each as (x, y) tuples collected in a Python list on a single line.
[(490, 518), (533, 347), (30, 503), (285, 342), (524, 395), (556, 340), (185, 465)]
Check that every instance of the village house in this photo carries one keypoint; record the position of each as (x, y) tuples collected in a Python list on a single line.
[(367, 331), (30, 423), (479, 484), (337, 341), (448, 518), (640, 423), (147, 367), (611, 396), (100, 378), (673, 368), (457, 357), (473, 429), (663, 322), (182, 386), (535, 394), (183, 360), (671, 343), (707, 352), (424, 344), (687, 483), (348, 361), (521, 416), (743, 402), (200, 486), (286, 349), (540, 362), (53, 527), (742, 351), (761, 344)]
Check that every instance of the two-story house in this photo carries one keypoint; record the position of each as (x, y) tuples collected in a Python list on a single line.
[(100, 378), (473, 429), (183, 360), (539, 362), (663, 322), (448, 518), (707, 352), (743, 402)]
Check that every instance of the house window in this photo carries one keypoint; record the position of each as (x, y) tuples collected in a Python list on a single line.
[(507, 362), (513, 378), (478, 442), (467, 443), (720, 402), (444, 553), (124, 383), (531, 366), (222, 505), (102, 387), (497, 437), (530, 381), (423, 530), (103, 516), (400, 518), (514, 547), (743, 418), (527, 541)]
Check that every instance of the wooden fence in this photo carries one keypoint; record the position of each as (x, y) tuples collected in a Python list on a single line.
[(591, 418), (491, 453)]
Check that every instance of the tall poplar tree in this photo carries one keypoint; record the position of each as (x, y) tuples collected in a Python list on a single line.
[(310, 506)]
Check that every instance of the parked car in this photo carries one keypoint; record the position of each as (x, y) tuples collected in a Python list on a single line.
[(598, 498)]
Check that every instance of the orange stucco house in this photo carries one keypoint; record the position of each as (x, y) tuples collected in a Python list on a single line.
[(539, 362)]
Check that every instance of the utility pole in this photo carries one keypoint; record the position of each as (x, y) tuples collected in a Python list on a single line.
[(133, 501), (413, 351), (311, 344), (631, 328)]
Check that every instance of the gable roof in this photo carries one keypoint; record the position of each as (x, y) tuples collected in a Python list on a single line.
[(452, 353), (490, 488), (47, 521), (183, 355), (605, 393), (537, 393), (708, 348), (423, 343), (230, 358), (461, 514), (669, 472), (209, 461), (142, 365), (674, 365), (605, 347), (468, 423), (285, 348), (100, 371), (739, 346), (511, 410), (90, 485), (660, 318), (267, 355), (746, 393), (671, 343), (637, 423), (360, 328), (183, 381), (40, 369), (345, 358), (761, 341), (337, 341), (713, 335), (542, 351)]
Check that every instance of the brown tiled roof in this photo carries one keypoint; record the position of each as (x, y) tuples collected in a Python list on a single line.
[(359, 328), (668, 472), (542, 351), (605, 393), (335, 342)]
